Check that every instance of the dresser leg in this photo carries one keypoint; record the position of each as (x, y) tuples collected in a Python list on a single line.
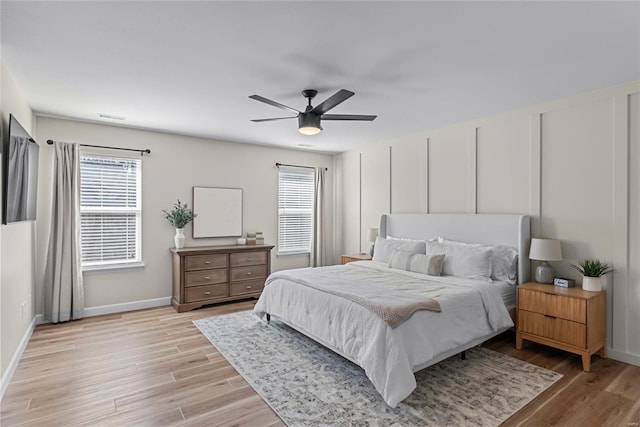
[(586, 362), (518, 341)]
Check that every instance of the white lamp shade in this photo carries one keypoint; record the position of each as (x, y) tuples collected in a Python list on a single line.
[(545, 250), (372, 234)]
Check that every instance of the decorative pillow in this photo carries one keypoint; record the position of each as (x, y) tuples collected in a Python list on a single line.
[(384, 248), (463, 260), (426, 264), (400, 260), (504, 260)]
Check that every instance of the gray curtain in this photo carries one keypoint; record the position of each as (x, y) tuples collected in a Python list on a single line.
[(18, 169), (64, 291), (318, 249)]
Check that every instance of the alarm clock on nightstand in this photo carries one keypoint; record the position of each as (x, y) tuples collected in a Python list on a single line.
[(564, 283)]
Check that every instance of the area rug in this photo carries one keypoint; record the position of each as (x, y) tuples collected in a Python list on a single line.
[(309, 385)]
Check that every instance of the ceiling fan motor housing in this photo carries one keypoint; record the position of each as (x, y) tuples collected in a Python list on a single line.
[(307, 120)]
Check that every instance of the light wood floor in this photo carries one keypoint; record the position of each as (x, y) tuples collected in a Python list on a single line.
[(153, 367)]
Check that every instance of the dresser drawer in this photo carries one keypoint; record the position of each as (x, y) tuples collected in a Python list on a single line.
[(555, 328), (204, 262), (248, 258), (245, 273), (200, 293), (574, 309), (205, 277), (246, 287)]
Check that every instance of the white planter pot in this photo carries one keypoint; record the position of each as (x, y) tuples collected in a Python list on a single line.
[(179, 238), (592, 284)]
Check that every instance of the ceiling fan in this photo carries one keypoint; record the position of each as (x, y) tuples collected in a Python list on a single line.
[(309, 120)]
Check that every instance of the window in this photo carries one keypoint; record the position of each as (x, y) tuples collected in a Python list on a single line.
[(295, 210), (110, 211)]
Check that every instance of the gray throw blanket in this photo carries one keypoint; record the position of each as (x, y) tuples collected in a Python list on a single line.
[(391, 304)]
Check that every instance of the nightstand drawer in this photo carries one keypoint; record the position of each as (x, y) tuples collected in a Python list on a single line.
[(560, 306), (246, 287), (199, 293), (203, 262), (555, 328), (205, 277)]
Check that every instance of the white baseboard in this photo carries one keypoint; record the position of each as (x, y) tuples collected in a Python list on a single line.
[(13, 364), (99, 310), (632, 359)]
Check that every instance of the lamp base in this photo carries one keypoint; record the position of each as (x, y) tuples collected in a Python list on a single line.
[(544, 273)]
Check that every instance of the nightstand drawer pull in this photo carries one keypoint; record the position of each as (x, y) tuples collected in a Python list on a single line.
[(550, 316)]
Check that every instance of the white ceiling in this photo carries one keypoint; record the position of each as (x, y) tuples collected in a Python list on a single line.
[(189, 67)]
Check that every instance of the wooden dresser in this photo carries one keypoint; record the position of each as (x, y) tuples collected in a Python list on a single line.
[(210, 274), (570, 319)]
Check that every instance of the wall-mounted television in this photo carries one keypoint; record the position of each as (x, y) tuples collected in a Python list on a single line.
[(19, 174)]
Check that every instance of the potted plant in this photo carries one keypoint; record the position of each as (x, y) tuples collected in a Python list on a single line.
[(592, 270), (179, 216)]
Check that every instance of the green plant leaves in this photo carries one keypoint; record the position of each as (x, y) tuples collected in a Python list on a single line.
[(180, 215), (592, 267)]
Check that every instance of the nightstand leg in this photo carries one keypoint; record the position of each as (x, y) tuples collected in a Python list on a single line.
[(603, 352), (586, 362), (518, 341)]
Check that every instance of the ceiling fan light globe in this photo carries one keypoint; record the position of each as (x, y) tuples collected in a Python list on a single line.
[(309, 130)]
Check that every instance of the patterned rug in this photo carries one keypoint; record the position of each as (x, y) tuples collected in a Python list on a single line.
[(309, 385)]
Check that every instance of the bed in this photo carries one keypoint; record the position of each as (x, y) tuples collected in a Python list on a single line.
[(326, 303)]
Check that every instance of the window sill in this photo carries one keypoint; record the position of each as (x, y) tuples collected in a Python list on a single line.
[(293, 253), (113, 267)]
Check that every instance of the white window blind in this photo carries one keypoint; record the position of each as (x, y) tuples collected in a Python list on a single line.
[(295, 210), (110, 210)]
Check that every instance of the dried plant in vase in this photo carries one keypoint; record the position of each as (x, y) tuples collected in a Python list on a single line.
[(179, 216)]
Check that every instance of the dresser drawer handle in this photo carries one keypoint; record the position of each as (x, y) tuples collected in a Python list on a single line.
[(207, 262), (248, 273), (207, 277), (249, 287), (207, 293), (550, 316), (248, 258)]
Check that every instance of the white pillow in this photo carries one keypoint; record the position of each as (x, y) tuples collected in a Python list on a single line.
[(504, 260), (384, 248), (427, 264), (400, 260), (467, 260), (418, 263)]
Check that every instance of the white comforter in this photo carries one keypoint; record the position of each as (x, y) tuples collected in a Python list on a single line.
[(471, 309)]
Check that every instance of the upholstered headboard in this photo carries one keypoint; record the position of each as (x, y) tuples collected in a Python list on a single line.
[(491, 229)]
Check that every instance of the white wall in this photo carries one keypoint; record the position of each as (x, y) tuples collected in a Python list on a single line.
[(175, 165), (17, 262), (572, 164)]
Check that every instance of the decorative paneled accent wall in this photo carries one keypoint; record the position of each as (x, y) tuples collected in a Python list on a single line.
[(572, 164)]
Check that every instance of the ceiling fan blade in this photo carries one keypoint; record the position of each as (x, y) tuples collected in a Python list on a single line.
[(347, 117), (274, 103), (270, 120), (329, 103)]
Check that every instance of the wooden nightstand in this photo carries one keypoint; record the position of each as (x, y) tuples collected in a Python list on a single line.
[(355, 257), (569, 319)]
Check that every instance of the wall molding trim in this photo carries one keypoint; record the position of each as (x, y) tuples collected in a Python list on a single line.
[(633, 359), (13, 364), (117, 308)]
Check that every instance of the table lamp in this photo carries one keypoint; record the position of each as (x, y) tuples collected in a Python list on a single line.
[(545, 250)]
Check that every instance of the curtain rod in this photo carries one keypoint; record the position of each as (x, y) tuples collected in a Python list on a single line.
[(142, 152), (297, 166)]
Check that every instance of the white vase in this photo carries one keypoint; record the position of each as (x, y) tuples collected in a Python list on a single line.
[(179, 238), (592, 284)]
